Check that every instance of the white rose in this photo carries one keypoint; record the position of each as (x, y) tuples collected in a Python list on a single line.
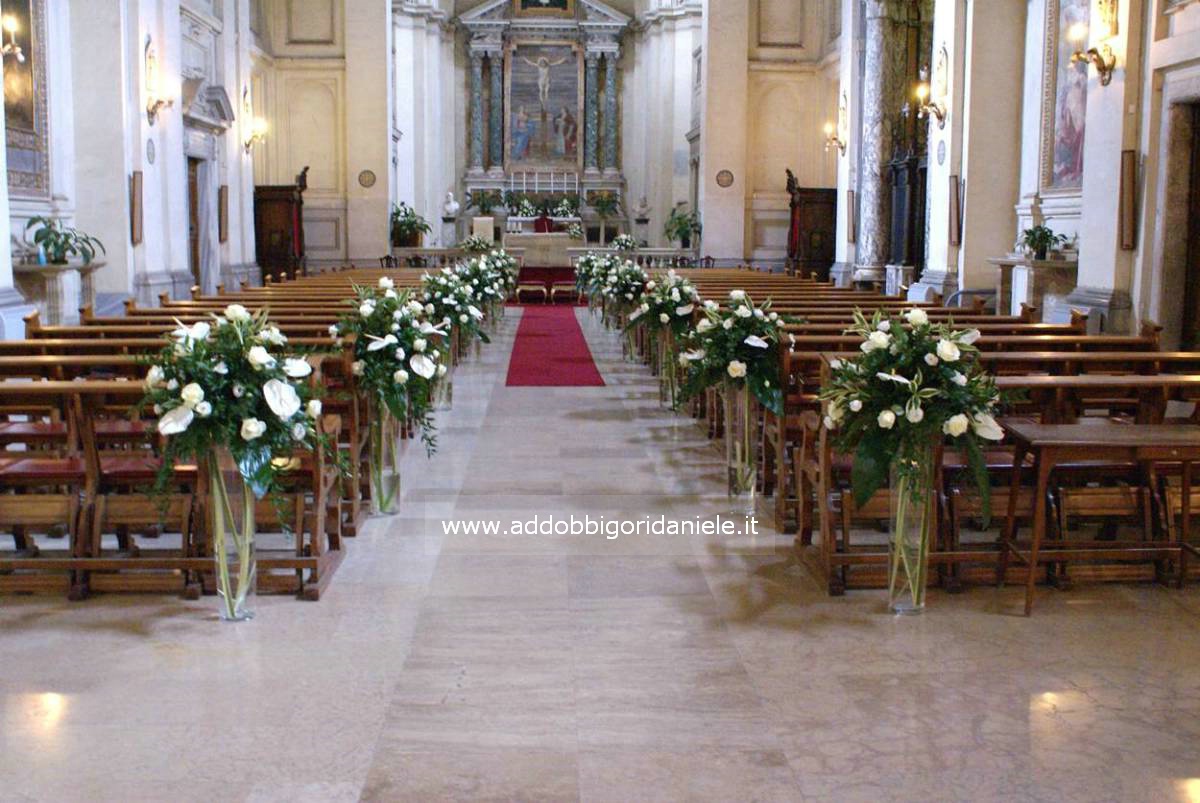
[(154, 377), (296, 368), (737, 295), (281, 398), (743, 312), (356, 368), (956, 425), (203, 409), (441, 371), (959, 379), (252, 428), (830, 423), (914, 414), (385, 283), (727, 323), (236, 312), (710, 304), (876, 340), (400, 377), (970, 336), (462, 318), (985, 426), (931, 359), (419, 344), (192, 394), (664, 317), (855, 405), (298, 431), (422, 365), (238, 391), (884, 326), (887, 419), (175, 421), (675, 296), (260, 358), (947, 350), (736, 369), (173, 384), (314, 408), (917, 317), (400, 355)]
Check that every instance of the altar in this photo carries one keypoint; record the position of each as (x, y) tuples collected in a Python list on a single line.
[(550, 250)]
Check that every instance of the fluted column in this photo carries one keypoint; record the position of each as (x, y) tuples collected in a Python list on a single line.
[(496, 113), (591, 127), (610, 113), (476, 111)]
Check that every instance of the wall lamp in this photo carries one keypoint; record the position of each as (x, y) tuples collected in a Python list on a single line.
[(1103, 57), (11, 48), (927, 107), (156, 99), (832, 140), (258, 132)]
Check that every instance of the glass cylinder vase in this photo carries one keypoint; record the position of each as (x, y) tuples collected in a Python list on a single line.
[(668, 368), (741, 447), (385, 470), (231, 522), (443, 388), (913, 515)]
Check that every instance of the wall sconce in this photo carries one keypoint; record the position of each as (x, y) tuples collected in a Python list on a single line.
[(1103, 57), (832, 140), (11, 48), (258, 132), (155, 96), (926, 106)]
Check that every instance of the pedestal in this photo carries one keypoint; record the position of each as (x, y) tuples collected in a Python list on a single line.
[(897, 278), (54, 289), (841, 274), (449, 234), (933, 283), (1022, 281), (1108, 310)]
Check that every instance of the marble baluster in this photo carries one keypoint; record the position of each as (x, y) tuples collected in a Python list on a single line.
[(610, 113), (476, 111), (496, 113), (591, 110)]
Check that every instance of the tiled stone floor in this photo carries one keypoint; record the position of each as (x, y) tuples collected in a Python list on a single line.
[(559, 668)]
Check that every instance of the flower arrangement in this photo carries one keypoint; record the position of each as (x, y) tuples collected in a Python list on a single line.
[(736, 344), (624, 242), (407, 226), (526, 208), (506, 269), (223, 392), (915, 386), (623, 283), (666, 311), (567, 206), (396, 356), (487, 276), (575, 231), (450, 302), (475, 245)]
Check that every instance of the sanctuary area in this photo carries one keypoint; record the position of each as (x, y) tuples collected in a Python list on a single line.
[(599, 400)]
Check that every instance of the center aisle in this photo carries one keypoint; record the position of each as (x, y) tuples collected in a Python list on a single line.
[(551, 351)]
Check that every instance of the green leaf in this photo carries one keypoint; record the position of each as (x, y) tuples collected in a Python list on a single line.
[(870, 469), (483, 336), (255, 467), (979, 471)]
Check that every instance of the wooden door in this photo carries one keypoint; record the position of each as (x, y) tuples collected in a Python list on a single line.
[(193, 184), (1190, 335)]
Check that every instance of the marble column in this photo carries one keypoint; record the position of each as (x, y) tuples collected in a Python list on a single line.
[(883, 90), (496, 114), (610, 113), (591, 128), (476, 165)]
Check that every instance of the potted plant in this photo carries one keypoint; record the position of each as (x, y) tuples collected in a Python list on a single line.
[(60, 242), (1040, 239), (681, 225), (484, 200), (407, 226), (606, 206)]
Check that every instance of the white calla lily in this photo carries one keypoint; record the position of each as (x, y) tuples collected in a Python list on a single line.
[(281, 398), (176, 420), (422, 366)]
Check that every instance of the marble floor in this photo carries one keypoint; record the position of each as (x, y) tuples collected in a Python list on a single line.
[(471, 667)]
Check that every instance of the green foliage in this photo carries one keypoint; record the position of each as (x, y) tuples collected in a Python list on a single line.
[(681, 225), (1042, 238), (606, 204), (737, 344), (60, 242), (484, 200), (407, 225)]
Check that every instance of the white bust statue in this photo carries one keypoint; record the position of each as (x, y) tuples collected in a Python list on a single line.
[(451, 207)]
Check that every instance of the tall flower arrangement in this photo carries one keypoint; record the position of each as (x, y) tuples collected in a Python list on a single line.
[(398, 362), (621, 289), (223, 388), (450, 303), (666, 311), (915, 386)]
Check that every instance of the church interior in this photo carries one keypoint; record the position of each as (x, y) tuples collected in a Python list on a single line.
[(549, 400)]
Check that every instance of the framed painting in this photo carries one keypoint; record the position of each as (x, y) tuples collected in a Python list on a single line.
[(543, 8), (543, 102), (26, 127), (1064, 99)]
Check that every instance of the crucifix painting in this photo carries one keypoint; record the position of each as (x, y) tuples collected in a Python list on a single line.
[(545, 106)]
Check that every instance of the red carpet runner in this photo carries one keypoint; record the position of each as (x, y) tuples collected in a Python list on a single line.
[(550, 350)]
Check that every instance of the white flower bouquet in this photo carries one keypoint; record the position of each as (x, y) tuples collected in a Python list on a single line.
[(575, 231), (475, 245), (666, 311), (624, 242), (450, 303), (915, 386)]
